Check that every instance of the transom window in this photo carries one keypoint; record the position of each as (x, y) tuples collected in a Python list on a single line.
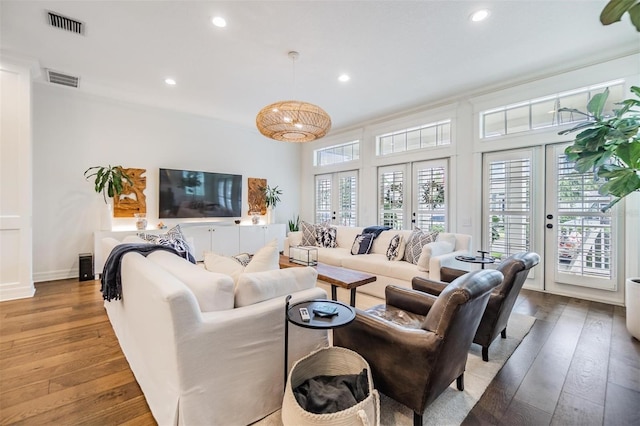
[(545, 111), (337, 154), (425, 136)]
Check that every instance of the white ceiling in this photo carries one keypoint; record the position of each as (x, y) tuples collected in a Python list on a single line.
[(400, 54)]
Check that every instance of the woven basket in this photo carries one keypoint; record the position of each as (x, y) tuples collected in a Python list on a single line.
[(330, 361)]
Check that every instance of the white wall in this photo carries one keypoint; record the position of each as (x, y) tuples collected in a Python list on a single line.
[(74, 131)]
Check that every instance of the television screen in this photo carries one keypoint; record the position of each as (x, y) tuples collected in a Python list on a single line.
[(187, 193)]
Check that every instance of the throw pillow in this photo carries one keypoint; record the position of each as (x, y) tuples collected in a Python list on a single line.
[(396, 248), (362, 244), (265, 259), (222, 264), (256, 287), (416, 241), (243, 258), (173, 238), (309, 235), (327, 236)]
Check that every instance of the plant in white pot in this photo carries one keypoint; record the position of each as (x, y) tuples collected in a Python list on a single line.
[(610, 146), (108, 181), (271, 198)]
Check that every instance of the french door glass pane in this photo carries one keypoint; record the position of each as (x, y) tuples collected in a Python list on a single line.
[(584, 231), (348, 200), (391, 199), (323, 198), (509, 202), (431, 198)]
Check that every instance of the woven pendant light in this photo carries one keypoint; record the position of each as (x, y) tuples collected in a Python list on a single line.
[(293, 121)]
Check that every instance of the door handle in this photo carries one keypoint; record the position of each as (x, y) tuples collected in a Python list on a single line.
[(549, 225), (549, 216)]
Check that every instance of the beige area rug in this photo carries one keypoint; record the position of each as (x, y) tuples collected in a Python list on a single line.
[(453, 406)]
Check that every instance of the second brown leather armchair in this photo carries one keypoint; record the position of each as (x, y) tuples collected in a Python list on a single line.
[(494, 320)]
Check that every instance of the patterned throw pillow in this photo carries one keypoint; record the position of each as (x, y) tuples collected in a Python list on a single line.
[(395, 250), (243, 258), (309, 234), (175, 239), (362, 244), (327, 236), (416, 241)]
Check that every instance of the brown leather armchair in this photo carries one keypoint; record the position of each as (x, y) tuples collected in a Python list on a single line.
[(494, 320), (417, 344)]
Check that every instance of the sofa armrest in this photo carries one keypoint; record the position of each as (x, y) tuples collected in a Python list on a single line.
[(409, 300), (428, 286), (448, 260)]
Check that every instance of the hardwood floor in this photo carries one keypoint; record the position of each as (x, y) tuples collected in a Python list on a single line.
[(60, 363)]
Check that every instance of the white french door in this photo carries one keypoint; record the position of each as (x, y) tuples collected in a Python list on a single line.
[(424, 184), (580, 242), (336, 198), (534, 200)]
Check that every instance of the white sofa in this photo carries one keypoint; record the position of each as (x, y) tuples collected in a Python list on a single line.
[(388, 272), (199, 360)]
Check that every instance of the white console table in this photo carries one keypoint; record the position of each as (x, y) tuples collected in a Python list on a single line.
[(226, 240)]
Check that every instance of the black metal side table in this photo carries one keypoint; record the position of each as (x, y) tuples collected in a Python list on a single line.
[(482, 259), (345, 315)]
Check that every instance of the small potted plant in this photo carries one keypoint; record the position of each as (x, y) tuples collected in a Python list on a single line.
[(271, 198), (110, 182)]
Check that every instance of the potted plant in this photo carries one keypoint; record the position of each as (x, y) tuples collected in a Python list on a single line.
[(614, 10), (271, 198), (609, 145), (109, 181), (294, 224)]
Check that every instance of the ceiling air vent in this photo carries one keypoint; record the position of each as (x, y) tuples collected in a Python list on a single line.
[(63, 79), (65, 23)]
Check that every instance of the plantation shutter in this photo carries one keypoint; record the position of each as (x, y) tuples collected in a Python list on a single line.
[(430, 196), (391, 196), (323, 198)]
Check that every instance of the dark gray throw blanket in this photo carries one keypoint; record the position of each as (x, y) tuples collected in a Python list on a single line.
[(330, 394), (376, 230), (111, 280)]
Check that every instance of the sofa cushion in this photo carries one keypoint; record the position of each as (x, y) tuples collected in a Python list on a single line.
[(333, 256), (436, 248), (346, 235), (256, 287), (377, 264), (213, 291), (173, 238), (309, 234), (416, 241), (214, 262), (265, 259), (362, 244), (447, 237), (381, 244), (395, 251)]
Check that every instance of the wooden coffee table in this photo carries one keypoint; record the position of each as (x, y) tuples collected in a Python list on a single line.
[(336, 277)]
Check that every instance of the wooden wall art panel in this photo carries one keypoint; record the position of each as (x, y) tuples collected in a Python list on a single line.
[(256, 197), (132, 200)]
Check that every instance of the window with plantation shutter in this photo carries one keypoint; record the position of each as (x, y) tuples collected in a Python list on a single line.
[(347, 205), (323, 198), (430, 195), (391, 195), (507, 202)]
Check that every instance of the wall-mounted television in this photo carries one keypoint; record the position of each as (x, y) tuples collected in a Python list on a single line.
[(189, 194)]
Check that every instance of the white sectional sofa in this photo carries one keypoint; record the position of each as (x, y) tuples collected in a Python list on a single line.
[(399, 272), (207, 350)]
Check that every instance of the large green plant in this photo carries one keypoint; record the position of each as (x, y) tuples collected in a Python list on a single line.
[(108, 180), (614, 10), (271, 195), (609, 145)]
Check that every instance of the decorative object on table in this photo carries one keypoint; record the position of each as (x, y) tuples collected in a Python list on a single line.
[(255, 218), (614, 10), (131, 199), (141, 221), (293, 121), (301, 255), (256, 197), (109, 181), (161, 225), (294, 224), (237, 221), (608, 145)]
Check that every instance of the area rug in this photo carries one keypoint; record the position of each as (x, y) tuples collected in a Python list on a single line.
[(453, 406)]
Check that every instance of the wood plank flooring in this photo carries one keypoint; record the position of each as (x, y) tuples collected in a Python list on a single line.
[(61, 364)]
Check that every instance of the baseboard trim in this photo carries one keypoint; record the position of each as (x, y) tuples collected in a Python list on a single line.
[(12, 291), (62, 274)]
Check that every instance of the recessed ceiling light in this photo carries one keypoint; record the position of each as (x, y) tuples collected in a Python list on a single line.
[(344, 78), (479, 15), (219, 22), (170, 81)]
